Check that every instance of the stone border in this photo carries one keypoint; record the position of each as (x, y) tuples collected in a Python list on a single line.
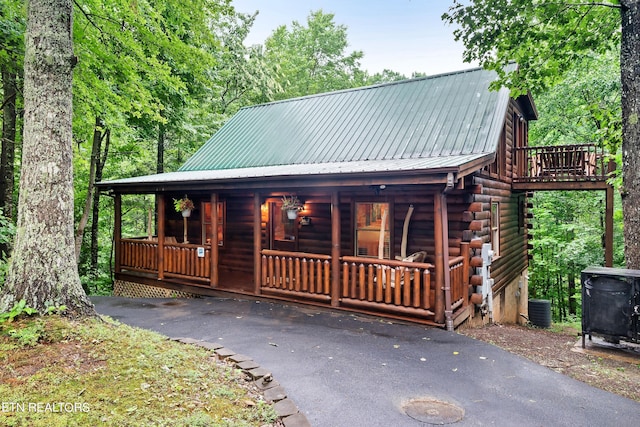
[(272, 391)]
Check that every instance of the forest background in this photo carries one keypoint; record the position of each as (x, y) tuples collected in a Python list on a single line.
[(154, 81)]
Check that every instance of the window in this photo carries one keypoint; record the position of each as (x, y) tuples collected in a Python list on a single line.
[(372, 222), (207, 222), (495, 228)]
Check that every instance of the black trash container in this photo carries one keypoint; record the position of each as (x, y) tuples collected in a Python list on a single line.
[(610, 303)]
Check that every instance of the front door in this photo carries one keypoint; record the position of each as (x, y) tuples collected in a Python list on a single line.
[(283, 231)]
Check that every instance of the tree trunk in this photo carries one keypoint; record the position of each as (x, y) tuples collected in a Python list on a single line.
[(96, 205), (572, 290), (160, 156), (629, 73), (98, 136), (43, 270), (9, 118)]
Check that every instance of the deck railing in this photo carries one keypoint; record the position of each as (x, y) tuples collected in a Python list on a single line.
[(459, 270), (392, 286), (399, 283), (187, 261), (139, 255), (180, 260), (580, 162), (296, 272)]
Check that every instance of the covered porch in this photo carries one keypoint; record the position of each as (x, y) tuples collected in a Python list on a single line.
[(321, 257)]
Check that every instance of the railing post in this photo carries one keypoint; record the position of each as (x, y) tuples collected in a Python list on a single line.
[(117, 230), (160, 231), (257, 242), (335, 249), (213, 267)]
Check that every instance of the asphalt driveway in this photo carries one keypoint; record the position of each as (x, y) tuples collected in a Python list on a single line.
[(353, 370)]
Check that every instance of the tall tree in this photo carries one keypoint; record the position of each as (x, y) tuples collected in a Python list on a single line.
[(545, 37), (43, 270), (11, 52), (313, 59)]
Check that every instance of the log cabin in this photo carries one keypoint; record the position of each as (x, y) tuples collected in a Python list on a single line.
[(413, 203)]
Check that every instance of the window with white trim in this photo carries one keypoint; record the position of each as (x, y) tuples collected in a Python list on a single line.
[(495, 228)]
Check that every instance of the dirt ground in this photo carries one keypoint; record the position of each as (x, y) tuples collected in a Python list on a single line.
[(614, 370)]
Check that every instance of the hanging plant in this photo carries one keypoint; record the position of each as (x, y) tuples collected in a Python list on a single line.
[(291, 203), (184, 204)]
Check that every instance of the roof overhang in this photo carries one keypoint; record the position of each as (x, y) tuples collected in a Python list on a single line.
[(403, 171)]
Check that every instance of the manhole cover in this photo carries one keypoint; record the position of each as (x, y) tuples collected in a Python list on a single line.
[(433, 411)]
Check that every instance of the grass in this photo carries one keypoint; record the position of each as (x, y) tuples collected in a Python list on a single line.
[(58, 372)]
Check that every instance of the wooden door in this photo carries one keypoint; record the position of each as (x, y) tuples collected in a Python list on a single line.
[(283, 231)]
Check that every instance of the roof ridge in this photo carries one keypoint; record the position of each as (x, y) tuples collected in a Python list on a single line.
[(362, 88)]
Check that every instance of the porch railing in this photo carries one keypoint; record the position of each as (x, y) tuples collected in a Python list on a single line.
[(296, 272), (139, 255), (459, 270), (180, 260), (392, 286), (398, 283), (187, 261), (579, 162)]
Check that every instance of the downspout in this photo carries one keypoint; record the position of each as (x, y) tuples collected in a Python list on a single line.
[(448, 311)]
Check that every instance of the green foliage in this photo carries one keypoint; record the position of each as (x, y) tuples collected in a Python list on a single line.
[(122, 375), (12, 27), (313, 59), (584, 107), (545, 38), (20, 308), (7, 231), (28, 336), (183, 204)]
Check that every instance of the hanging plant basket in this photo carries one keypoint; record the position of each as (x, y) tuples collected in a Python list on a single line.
[(292, 205), (184, 205)]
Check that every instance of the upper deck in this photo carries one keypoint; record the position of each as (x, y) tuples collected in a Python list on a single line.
[(562, 167)]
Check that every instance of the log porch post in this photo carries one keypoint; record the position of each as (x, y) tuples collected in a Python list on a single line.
[(439, 259), (335, 249), (161, 226), (448, 312), (257, 243), (213, 273), (117, 229)]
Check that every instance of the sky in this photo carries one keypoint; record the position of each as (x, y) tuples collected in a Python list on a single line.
[(400, 35)]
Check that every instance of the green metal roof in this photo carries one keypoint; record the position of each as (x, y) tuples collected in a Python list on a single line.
[(449, 115)]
